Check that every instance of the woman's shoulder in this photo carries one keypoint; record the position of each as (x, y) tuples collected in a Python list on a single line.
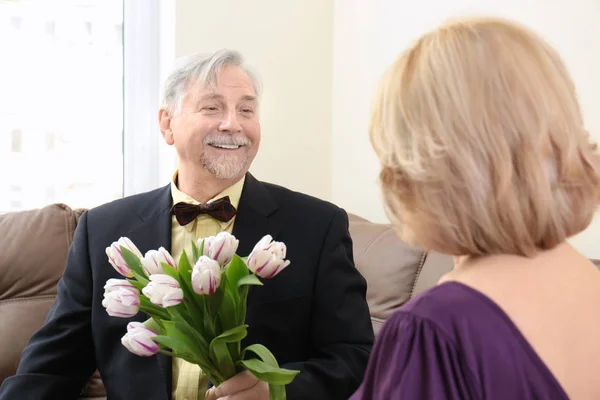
[(416, 355), (464, 315), (453, 342), (450, 306), (462, 326)]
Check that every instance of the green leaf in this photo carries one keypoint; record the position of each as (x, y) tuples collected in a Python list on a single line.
[(250, 279), (243, 304), (236, 270), (196, 251), (182, 352), (201, 249), (181, 331), (213, 301), (220, 350), (268, 373), (179, 347), (276, 392), (227, 315), (140, 278), (172, 272), (204, 320), (234, 350), (194, 302), (184, 266), (155, 324), (233, 335), (263, 353), (196, 308), (133, 261), (152, 309), (138, 285), (276, 389), (180, 313), (239, 278)]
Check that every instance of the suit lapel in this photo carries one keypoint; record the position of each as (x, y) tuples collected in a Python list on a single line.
[(154, 231), (252, 222)]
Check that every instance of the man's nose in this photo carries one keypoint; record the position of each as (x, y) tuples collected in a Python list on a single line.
[(230, 123)]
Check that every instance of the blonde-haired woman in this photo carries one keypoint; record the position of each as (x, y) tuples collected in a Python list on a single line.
[(485, 157)]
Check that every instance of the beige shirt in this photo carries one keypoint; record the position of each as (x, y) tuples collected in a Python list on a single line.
[(188, 379)]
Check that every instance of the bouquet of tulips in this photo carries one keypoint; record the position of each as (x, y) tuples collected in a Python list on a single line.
[(197, 307)]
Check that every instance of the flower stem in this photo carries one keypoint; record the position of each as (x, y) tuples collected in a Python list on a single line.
[(156, 312)]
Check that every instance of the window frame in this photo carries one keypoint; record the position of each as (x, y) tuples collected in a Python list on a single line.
[(148, 54)]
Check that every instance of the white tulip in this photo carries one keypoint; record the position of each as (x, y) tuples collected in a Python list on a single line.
[(115, 257), (112, 285), (220, 248), (153, 259), (163, 290), (122, 302), (268, 258), (138, 340), (206, 276)]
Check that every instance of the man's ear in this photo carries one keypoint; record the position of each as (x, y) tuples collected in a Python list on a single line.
[(164, 121)]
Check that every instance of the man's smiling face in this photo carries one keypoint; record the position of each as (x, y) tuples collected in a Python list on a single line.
[(218, 126)]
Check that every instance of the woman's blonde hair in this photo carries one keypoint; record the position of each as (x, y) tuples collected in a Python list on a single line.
[(482, 144)]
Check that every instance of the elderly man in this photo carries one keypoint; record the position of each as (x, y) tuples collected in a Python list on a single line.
[(313, 317)]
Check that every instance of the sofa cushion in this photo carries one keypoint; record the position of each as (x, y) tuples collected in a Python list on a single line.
[(35, 245), (391, 267)]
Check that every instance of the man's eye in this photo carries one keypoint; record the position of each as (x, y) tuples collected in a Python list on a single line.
[(210, 108), (246, 110)]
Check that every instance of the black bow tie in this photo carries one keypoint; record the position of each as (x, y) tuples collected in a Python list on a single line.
[(221, 210)]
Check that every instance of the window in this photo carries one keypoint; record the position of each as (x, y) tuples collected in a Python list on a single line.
[(15, 22), (62, 94), (50, 28), (84, 64), (17, 141), (50, 141)]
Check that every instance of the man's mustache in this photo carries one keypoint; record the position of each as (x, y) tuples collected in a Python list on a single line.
[(226, 140)]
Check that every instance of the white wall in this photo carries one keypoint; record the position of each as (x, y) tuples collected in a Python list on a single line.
[(289, 43), (368, 36), (320, 60)]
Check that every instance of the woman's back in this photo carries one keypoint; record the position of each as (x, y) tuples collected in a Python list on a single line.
[(554, 301), (456, 341)]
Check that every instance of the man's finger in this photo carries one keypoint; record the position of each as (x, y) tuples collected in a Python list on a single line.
[(238, 383), (253, 393), (210, 394)]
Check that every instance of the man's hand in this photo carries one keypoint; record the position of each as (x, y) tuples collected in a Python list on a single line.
[(243, 386)]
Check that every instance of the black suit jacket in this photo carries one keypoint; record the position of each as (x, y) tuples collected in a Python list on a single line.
[(313, 316)]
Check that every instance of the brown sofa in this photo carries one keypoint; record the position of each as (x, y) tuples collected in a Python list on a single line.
[(34, 249)]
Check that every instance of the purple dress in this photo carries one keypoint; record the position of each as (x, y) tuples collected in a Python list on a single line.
[(453, 342)]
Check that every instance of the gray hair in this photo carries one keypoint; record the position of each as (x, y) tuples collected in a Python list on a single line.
[(201, 68)]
